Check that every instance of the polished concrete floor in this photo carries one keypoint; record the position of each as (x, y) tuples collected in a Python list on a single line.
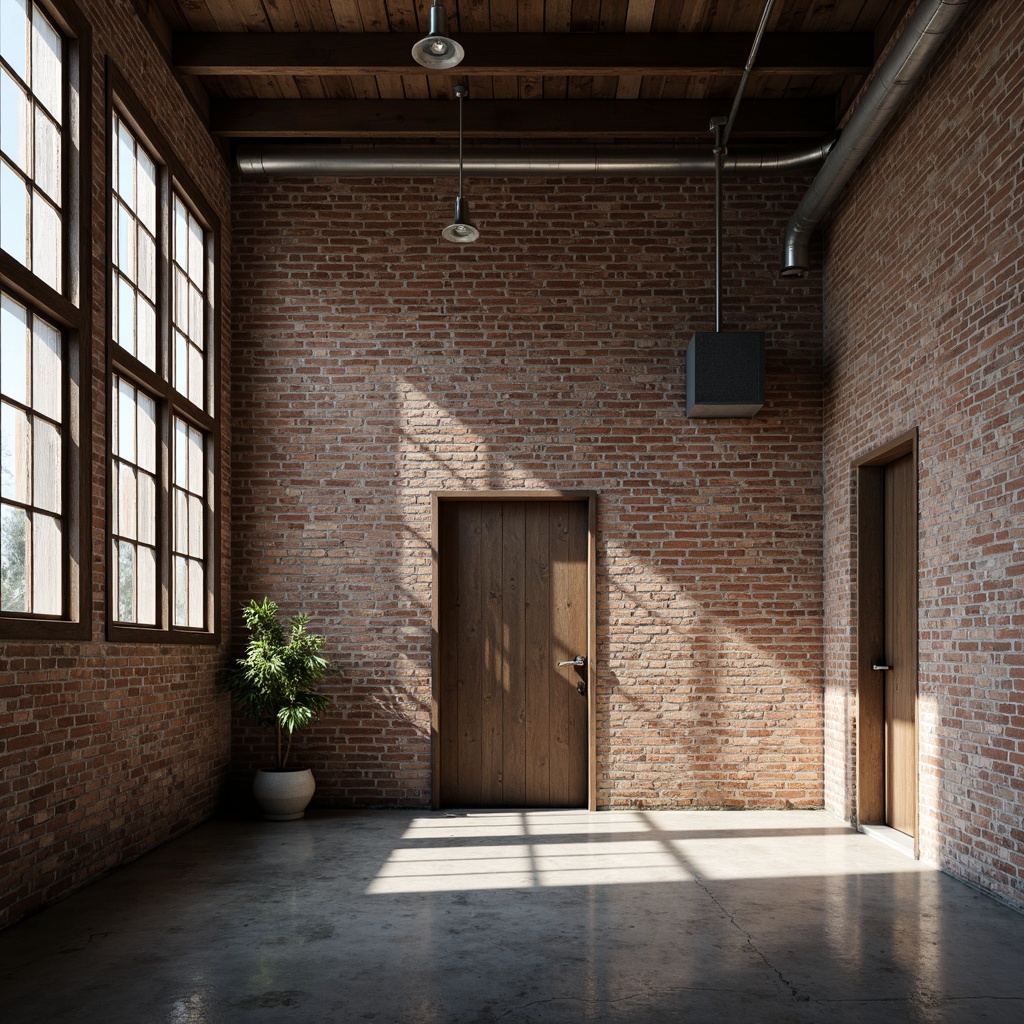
[(630, 917)]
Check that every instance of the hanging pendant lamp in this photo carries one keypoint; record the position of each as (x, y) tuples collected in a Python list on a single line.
[(461, 229), (436, 51)]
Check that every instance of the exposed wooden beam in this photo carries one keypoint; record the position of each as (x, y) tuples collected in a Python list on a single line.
[(514, 53), (521, 119)]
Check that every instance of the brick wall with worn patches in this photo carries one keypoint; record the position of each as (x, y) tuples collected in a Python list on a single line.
[(923, 329), (375, 363), (109, 749)]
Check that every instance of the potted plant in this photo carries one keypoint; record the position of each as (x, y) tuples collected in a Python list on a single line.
[(275, 685)]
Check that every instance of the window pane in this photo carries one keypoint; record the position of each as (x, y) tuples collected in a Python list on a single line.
[(46, 489), (14, 357), (124, 256), (126, 421), (146, 206), (15, 454), (180, 363), (195, 376), (180, 591), (195, 594), (46, 241), (195, 527), (146, 346), (47, 80), (126, 581), (125, 316), (180, 452), (180, 299), (147, 264), (47, 382), (47, 559), (14, 35), (125, 164), (195, 251), (147, 508), (146, 431), (180, 521), (126, 505), (13, 214), (180, 234), (14, 122), (195, 461), (14, 556), (146, 584), (46, 163)]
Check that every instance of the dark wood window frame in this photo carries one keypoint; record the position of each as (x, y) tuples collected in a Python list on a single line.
[(70, 311), (172, 180)]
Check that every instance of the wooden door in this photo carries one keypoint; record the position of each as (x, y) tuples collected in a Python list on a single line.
[(900, 684), (512, 723)]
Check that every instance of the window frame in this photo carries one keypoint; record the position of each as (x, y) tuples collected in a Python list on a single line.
[(70, 311), (172, 180)]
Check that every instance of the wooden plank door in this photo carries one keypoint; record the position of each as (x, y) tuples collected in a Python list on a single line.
[(512, 603), (900, 686)]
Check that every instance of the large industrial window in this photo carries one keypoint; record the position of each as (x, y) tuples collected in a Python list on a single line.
[(163, 430), (44, 311)]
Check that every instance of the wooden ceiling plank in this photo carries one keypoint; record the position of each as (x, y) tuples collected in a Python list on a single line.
[(639, 15), (315, 53), (346, 15), (512, 119)]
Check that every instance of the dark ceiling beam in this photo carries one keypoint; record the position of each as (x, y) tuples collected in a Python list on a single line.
[(515, 119), (511, 53)]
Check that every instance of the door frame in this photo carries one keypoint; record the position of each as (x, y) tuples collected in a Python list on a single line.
[(437, 498), (869, 544)]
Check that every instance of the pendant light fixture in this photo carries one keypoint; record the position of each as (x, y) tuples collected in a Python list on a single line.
[(436, 51), (461, 230)]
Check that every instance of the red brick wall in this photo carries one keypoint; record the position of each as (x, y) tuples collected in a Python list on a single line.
[(108, 749), (923, 328), (375, 363)]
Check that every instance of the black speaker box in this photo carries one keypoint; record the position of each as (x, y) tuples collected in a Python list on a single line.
[(725, 374)]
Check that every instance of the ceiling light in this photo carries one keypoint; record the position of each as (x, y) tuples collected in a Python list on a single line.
[(436, 51), (461, 229)]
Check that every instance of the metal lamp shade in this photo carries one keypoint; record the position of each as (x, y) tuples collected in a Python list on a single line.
[(437, 51), (461, 230)]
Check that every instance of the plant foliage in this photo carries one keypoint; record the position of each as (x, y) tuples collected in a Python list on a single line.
[(275, 683)]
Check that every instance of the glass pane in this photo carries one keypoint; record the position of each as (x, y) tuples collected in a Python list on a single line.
[(125, 164), (195, 527), (46, 164), (180, 591), (124, 256), (46, 241), (195, 251), (146, 456), (13, 214), (195, 594), (15, 454), (180, 300), (126, 505), (125, 581), (146, 206), (14, 358), (147, 264), (147, 508), (180, 521), (13, 559), (180, 234), (196, 327), (180, 363), (146, 344), (180, 453), (195, 376), (46, 565), (15, 111), (125, 315), (195, 461), (146, 581), (14, 35), (46, 468), (126, 420), (47, 80), (47, 378)]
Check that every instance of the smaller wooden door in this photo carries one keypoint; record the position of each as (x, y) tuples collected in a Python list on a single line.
[(513, 603), (900, 686)]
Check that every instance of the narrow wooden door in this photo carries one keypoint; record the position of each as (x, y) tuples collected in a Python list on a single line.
[(900, 576), (512, 722)]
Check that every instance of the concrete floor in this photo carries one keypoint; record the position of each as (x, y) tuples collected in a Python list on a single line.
[(621, 918)]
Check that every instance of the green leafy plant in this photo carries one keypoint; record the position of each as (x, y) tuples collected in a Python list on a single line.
[(275, 683)]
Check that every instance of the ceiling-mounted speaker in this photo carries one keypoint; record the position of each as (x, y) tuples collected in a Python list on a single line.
[(724, 374)]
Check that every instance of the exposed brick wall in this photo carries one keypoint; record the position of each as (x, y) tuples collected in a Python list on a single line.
[(108, 749), (375, 363), (923, 328)]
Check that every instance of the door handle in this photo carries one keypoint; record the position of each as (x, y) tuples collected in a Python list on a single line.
[(578, 662), (882, 668)]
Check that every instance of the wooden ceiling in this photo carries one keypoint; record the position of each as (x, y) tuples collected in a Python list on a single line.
[(588, 70)]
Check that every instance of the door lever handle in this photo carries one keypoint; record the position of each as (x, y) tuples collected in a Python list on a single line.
[(882, 668), (578, 662)]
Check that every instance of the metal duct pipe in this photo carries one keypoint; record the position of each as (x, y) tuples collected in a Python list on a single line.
[(926, 30), (574, 162)]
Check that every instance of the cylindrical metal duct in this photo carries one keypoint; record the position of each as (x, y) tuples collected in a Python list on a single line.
[(927, 29), (569, 162)]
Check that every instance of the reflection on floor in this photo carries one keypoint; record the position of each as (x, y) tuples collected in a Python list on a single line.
[(630, 917)]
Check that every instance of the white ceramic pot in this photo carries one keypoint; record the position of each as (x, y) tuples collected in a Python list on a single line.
[(283, 793)]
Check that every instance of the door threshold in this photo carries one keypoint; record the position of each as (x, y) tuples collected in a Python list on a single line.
[(893, 838)]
